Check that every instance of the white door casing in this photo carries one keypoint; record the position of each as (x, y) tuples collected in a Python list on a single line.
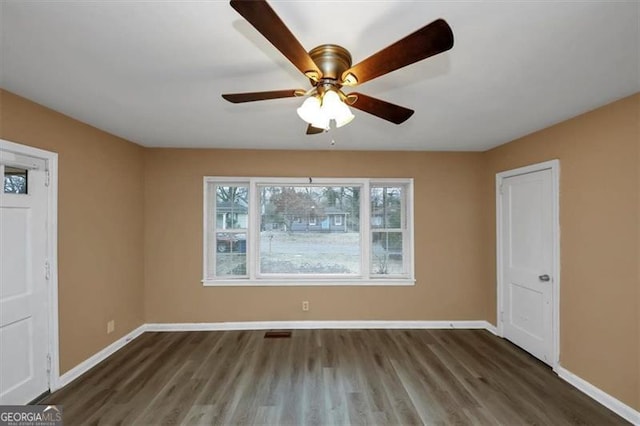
[(28, 278), (528, 264)]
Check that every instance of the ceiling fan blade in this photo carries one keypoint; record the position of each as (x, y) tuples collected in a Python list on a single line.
[(237, 98), (430, 40), (264, 19), (383, 109), (314, 130)]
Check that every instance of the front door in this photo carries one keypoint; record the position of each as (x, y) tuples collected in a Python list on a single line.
[(23, 285), (527, 261)]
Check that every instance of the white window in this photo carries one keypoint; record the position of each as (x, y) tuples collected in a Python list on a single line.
[(389, 230), (293, 231)]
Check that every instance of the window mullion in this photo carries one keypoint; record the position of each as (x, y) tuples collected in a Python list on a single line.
[(253, 233), (405, 235), (365, 230), (208, 210), (407, 232)]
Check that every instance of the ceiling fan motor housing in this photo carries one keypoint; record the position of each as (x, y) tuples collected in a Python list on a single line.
[(332, 60)]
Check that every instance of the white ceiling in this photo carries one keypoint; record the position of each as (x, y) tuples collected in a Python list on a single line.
[(153, 71)]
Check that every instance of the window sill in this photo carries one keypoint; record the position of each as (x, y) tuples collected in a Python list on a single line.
[(309, 282)]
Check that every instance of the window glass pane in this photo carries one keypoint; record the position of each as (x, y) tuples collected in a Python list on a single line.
[(386, 253), (309, 230), (228, 242), (386, 207), (231, 256), (387, 225), (231, 207), (227, 221), (15, 180)]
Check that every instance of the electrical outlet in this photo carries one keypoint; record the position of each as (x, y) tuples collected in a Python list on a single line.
[(305, 305), (111, 326)]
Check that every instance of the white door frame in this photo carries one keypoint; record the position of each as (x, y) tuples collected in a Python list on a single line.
[(51, 168), (554, 166)]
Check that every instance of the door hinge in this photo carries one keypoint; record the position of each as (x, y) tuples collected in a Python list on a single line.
[(501, 316), (47, 270), (47, 178), (48, 363), (501, 189)]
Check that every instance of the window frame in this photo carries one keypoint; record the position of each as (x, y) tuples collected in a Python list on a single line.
[(406, 224), (254, 277)]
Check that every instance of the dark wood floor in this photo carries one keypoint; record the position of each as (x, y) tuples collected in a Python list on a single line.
[(340, 377)]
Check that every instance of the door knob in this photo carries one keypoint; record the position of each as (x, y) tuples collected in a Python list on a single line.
[(544, 277)]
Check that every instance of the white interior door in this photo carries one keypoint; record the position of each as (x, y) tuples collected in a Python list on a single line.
[(23, 287), (527, 262)]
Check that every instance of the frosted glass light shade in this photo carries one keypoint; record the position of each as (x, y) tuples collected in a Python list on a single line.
[(321, 121), (310, 109), (335, 109), (343, 115), (330, 101)]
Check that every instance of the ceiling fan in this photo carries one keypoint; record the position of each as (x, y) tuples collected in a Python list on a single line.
[(328, 68)]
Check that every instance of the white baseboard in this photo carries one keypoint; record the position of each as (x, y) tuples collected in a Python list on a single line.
[(308, 325), (613, 404), (492, 328), (94, 360)]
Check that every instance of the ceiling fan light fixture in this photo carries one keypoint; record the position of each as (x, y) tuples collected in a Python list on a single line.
[(320, 111)]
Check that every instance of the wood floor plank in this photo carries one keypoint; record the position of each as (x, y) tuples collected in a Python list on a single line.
[(325, 377), (404, 412)]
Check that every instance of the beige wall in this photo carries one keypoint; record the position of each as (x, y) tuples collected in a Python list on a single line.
[(599, 220), (100, 224), (449, 247)]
